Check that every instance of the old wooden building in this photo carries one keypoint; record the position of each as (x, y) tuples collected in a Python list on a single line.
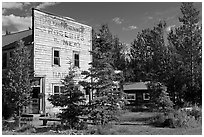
[(56, 43), (137, 93)]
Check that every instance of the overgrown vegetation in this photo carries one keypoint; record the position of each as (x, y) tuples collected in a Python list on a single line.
[(179, 118), (16, 87), (174, 63)]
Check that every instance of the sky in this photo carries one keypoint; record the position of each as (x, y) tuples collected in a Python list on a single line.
[(125, 19)]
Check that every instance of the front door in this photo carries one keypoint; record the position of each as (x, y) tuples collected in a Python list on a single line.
[(35, 100)]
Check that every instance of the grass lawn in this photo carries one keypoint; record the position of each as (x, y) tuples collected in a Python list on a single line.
[(148, 130), (131, 123)]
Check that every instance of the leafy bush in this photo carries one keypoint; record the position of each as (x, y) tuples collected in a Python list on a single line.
[(24, 128), (179, 118), (8, 125), (196, 112), (101, 130)]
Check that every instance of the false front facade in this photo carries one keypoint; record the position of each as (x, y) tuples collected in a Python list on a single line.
[(57, 44)]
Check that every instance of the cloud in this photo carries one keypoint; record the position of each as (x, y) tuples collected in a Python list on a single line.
[(14, 5), (17, 22), (130, 28), (170, 27), (46, 4), (118, 20), (150, 18)]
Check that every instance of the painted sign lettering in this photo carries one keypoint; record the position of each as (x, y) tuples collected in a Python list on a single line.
[(57, 22), (66, 42), (61, 33), (60, 75)]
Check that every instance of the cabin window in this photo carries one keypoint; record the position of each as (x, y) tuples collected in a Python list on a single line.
[(56, 57), (4, 60), (131, 96), (57, 89), (146, 96), (76, 59)]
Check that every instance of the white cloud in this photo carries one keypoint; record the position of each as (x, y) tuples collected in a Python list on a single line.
[(150, 18), (20, 23), (118, 20), (46, 4), (14, 5), (132, 27), (170, 27)]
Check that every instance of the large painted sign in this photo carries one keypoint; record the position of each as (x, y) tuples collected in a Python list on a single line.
[(63, 30)]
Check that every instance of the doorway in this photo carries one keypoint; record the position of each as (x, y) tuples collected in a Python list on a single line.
[(35, 100)]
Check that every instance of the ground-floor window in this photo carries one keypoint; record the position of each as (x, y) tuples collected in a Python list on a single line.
[(146, 96), (131, 96), (57, 89)]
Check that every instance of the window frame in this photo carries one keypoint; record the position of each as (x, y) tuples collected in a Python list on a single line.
[(53, 56), (74, 60), (131, 94), (144, 98), (53, 89)]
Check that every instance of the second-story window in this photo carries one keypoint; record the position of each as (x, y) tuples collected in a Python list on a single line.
[(76, 59), (56, 57), (4, 60)]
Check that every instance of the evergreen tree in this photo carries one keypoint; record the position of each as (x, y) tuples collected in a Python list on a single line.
[(16, 88), (148, 54), (105, 105), (71, 100), (187, 43), (118, 51), (159, 97)]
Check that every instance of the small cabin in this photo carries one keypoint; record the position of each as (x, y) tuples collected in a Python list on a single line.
[(137, 93)]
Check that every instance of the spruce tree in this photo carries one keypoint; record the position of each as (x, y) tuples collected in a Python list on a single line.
[(104, 107), (71, 101)]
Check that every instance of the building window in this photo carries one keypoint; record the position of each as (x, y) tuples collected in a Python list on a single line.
[(56, 57), (146, 96), (4, 60), (76, 59), (131, 96), (57, 89)]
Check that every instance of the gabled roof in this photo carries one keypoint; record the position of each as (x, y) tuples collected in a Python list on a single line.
[(136, 86), (10, 38)]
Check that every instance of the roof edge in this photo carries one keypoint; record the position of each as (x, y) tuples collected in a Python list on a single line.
[(16, 32)]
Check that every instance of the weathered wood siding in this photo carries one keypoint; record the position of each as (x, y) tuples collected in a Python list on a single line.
[(56, 32)]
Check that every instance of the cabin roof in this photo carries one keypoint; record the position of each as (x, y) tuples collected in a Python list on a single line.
[(13, 37), (135, 86)]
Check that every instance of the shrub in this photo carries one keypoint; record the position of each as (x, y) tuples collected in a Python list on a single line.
[(101, 130), (178, 118), (8, 125), (24, 128), (196, 112), (158, 120)]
